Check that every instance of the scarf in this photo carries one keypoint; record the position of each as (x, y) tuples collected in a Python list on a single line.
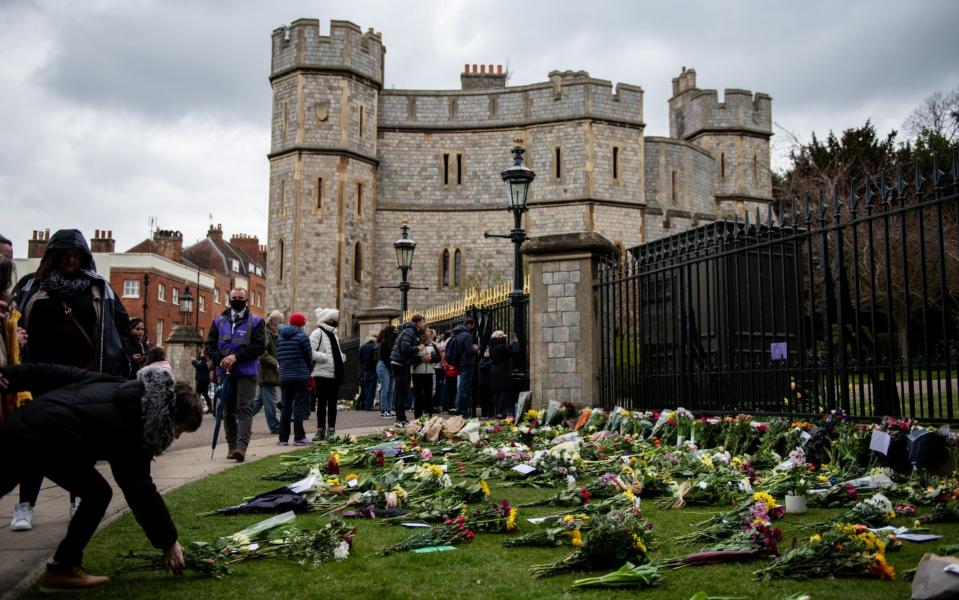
[(56, 283), (157, 407), (338, 373)]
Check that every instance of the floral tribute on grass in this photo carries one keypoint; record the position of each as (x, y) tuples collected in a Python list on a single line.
[(449, 533), (616, 538), (843, 551)]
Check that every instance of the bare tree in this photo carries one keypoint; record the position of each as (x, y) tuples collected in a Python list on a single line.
[(938, 114)]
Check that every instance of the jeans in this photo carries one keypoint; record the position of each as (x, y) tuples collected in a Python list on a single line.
[(295, 394), (266, 397), (464, 391), (369, 389), (449, 393), (238, 411), (385, 376), (401, 391), (326, 392)]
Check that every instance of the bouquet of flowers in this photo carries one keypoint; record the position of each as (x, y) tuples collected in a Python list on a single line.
[(947, 512), (875, 512), (684, 425), (619, 537), (497, 517), (605, 486), (845, 550), (567, 532), (449, 533), (835, 496), (754, 538), (799, 473), (199, 557), (725, 525), (629, 575), (739, 434)]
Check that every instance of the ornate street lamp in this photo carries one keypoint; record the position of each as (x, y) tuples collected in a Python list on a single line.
[(517, 179), (186, 304), (404, 248)]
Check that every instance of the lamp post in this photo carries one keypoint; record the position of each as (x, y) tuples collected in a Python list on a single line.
[(404, 248), (517, 178), (186, 305)]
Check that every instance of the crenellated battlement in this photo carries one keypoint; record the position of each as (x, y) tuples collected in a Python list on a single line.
[(346, 48), (567, 95), (693, 111)]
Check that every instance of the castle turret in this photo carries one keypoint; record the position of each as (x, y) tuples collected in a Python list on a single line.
[(735, 131), (323, 166)]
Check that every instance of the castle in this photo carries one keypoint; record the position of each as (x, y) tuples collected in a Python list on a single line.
[(350, 161)]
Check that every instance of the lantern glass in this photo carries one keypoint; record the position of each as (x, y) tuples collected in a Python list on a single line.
[(186, 302), (516, 191)]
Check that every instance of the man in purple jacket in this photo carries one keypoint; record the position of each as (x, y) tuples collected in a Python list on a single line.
[(236, 340)]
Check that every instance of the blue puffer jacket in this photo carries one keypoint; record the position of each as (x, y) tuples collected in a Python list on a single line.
[(294, 353)]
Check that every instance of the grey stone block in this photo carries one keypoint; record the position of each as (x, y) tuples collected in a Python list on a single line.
[(555, 291), (550, 319), (574, 276), (571, 318), (561, 334), (566, 304), (569, 289), (562, 277), (556, 350)]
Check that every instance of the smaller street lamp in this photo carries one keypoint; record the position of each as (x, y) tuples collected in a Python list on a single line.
[(186, 304), (404, 248)]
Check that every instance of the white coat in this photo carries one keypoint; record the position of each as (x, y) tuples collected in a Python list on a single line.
[(323, 365)]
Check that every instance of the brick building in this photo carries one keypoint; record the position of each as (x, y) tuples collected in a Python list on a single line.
[(350, 160), (150, 277)]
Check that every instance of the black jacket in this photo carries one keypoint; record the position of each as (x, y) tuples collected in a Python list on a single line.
[(78, 417), (406, 348), (501, 366), (368, 357), (463, 354), (56, 339)]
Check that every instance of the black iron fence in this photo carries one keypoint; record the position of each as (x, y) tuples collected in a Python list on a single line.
[(849, 300), (495, 316), (351, 368)]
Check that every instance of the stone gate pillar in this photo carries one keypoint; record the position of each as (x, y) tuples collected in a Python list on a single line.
[(183, 343), (563, 318), (372, 320)]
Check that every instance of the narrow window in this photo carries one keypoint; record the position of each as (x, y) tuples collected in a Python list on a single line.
[(615, 162), (202, 304), (319, 193), (282, 196), (558, 163), (216, 293), (161, 292), (359, 198), (445, 268), (358, 263), (446, 169), (285, 120), (159, 340), (673, 192), (722, 165), (361, 121), (280, 274), (175, 295), (459, 169), (755, 168), (457, 268)]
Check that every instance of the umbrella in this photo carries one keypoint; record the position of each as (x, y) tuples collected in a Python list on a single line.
[(219, 399)]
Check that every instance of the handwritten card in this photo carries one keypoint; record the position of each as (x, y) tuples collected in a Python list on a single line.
[(880, 442)]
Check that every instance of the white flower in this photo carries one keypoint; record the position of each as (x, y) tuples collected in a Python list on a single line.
[(880, 502), (446, 481), (341, 551), (744, 486), (570, 482), (722, 457), (703, 484)]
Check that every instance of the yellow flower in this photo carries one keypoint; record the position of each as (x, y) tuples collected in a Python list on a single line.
[(575, 538), (333, 481), (815, 538), (399, 491), (351, 476), (568, 519), (765, 498), (792, 385), (484, 486), (511, 520), (638, 542), (435, 470), (707, 462), (629, 494)]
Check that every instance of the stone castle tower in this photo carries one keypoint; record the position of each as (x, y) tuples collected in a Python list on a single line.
[(351, 161)]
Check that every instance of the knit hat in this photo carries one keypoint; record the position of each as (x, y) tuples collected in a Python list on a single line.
[(297, 320), (325, 315)]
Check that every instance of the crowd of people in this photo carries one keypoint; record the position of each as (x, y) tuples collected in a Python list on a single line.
[(80, 382)]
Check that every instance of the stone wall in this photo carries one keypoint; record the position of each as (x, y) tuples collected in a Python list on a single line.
[(346, 48)]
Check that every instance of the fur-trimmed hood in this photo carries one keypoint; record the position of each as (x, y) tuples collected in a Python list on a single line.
[(157, 407)]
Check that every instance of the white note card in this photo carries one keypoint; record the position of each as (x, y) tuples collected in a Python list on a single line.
[(880, 442)]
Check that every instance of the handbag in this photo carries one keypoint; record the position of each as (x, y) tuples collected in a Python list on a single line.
[(451, 371)]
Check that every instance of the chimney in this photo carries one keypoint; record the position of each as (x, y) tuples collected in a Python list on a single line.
[(261, 256), (37, 245), (249, 245), (103, 242), (479, 77), (215, 233), (168, 244)]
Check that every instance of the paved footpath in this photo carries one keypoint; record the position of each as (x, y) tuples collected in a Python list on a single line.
[(23, 555)]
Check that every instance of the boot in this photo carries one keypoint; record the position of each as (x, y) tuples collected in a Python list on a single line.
[(59, 578), (320, 434), (239, 454), (231, 454), (330, 433)]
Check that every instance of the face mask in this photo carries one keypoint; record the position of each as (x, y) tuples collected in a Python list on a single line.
[(237, 304)]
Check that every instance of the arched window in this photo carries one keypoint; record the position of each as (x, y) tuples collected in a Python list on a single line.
[(457, 268), (358, 263), (280, 261), (445, 269)]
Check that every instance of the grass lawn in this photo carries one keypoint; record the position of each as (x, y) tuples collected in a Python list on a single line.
[(482, 569)]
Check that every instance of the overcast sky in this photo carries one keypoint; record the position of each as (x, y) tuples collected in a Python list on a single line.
[(115, 111)]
